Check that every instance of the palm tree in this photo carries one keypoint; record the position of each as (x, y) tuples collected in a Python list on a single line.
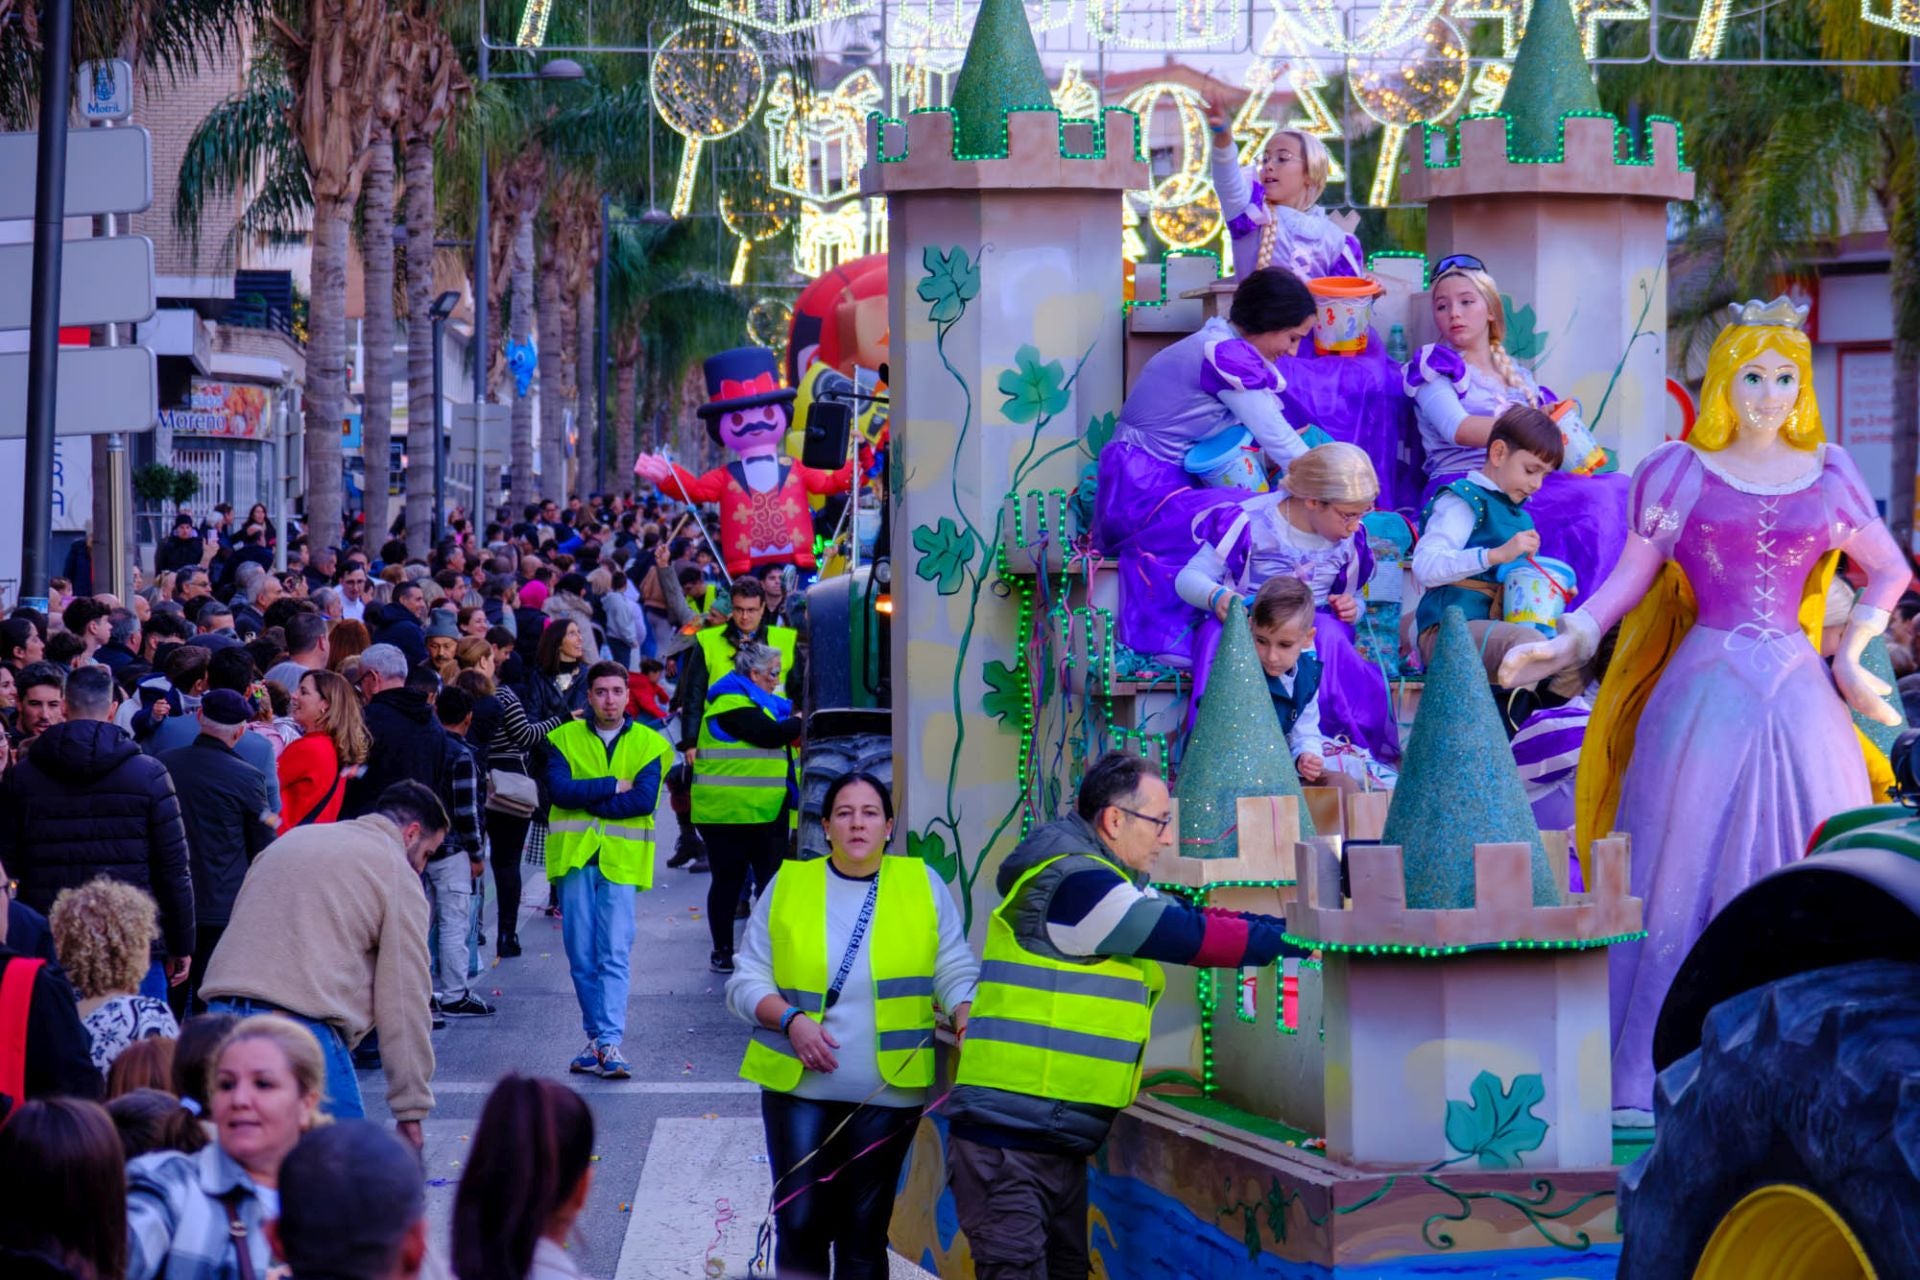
[(433, 86), (1789, 157), (335, 53), (377, 323)]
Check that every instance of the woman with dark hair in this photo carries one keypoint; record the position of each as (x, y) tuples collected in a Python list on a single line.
[(502, 731), (200, 1038), (1215, 387), (20, 643), (555, 690), (346, 639), (150, 1120), (843, 961), (527, 1176), (63, 1192), (569, 603)]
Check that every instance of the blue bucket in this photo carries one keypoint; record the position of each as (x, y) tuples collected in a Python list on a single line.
[(1228, 459)]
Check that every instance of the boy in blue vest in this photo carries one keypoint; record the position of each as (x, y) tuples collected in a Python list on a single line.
[(1473, 526), (1282, 622)]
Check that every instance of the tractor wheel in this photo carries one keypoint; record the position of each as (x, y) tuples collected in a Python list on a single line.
[(1787, 1147), (827, 759)]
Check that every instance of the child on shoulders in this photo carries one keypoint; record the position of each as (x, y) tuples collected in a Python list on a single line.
[(1476, 524)]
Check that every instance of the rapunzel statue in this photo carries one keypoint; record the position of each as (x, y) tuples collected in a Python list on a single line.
[(1719, 741)]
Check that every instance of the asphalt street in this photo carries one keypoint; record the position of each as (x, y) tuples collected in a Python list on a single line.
[(680, 1177)]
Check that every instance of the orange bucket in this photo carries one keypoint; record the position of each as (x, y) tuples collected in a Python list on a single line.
[(1343, 309)]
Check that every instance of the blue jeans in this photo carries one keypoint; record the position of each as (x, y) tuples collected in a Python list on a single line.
[(343, 1088), (596, 926), (155, 983)]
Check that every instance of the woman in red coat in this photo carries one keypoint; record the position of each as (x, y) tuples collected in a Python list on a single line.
[(315, 768)]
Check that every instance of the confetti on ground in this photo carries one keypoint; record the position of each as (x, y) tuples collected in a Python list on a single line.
[(711, 1115)]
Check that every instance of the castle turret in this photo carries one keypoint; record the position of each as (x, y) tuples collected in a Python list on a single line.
[(1568, 209)]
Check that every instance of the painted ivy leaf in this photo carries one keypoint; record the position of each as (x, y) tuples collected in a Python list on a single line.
[(1523, 341), (1099, 431), (1498, 1125), (1033, 390), (931, 848), (1006, 696), (951, 282), (945, 552)]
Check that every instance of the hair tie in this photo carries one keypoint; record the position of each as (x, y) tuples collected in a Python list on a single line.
[(190, 1106)]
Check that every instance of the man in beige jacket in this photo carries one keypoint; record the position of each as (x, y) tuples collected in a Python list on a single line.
[(330, 928)]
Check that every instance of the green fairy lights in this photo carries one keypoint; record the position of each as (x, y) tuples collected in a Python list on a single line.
[(1416, 951), (1440, 145), (1097, 133)]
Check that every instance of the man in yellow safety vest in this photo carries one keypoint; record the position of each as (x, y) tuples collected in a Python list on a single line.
[(603, 774), (1068, 982)]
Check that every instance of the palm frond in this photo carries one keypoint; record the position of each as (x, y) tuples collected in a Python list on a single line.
[(242, 137)]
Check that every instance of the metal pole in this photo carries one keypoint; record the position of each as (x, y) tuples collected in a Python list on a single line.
[(43, 351), (439, 434), (600, 343)]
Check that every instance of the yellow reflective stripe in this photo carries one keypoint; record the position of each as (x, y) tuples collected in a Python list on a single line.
[(893, 988), (1080, 1044), (627, 831), (572, 825), (776, 1042), (899, 1041), (805, 1001), (741, 753), (726, 780), (1064, 982)]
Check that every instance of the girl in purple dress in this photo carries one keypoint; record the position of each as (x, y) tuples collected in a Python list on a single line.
[(1275, 220), (1147, 507), (1309, 529), (1462, 383), (1718, 742)]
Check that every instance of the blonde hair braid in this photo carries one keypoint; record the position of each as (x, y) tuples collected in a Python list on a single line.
[(1510, 372)]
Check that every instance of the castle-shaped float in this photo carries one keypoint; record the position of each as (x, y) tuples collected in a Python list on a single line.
[(1429, 1094)]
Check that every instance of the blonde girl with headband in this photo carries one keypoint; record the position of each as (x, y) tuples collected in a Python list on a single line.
[(1310, 529), (1274, 219), (1462, 383)]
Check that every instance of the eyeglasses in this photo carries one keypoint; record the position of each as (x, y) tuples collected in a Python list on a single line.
[(1160, 825), (1457, 262)]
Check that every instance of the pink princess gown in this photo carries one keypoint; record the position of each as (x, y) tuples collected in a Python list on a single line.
[(1745, 745)]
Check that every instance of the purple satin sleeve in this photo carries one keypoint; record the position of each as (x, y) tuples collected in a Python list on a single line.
[(1242, 223), (1867, 541), (1547, 396), (1234, 365), (1352, 260), (1435, 363)]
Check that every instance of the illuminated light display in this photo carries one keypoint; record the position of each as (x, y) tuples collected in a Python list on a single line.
[(768, 321), (1489, 88), (1900, 15), (753, 219), (817, 143), (533, 24), (782, 16), (1189, 180), (1392, 24), (1170, 24), (1512, 17), (1283, 61), (1075, 97), (707, 83), (1421, 81), (826, 237)]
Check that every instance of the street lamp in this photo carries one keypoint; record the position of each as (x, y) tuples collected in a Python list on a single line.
[(442, 308)]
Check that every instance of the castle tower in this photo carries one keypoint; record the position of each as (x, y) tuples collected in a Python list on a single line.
[(1569, 212), (1005, 311)]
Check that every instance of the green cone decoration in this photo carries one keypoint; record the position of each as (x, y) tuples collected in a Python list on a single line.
[(1550, 78), (1001, 73), (1879, 662), (1236, 749), (1458, 785)]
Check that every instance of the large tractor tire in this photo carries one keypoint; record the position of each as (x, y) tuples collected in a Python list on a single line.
[(1787, 1146), (834, 752)]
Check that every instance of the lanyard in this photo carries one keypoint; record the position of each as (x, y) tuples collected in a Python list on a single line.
[(853, 943)]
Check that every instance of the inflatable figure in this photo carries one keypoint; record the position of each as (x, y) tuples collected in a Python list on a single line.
[(1719, 742), (763, 496), (1459, 386), (839, 328)]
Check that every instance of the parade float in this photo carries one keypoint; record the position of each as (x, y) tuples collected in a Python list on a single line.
[(1429, 1094)]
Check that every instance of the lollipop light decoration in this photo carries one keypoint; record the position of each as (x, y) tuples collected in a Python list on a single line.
[(1421, 81), (753, 219), (708, 80)]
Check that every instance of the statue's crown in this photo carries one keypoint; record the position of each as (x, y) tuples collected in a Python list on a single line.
[(1782, 312)]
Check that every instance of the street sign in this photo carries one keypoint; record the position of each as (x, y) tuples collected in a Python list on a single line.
[(102, 389), (102, 281), (108, 171), (496, 422), (105, 89)]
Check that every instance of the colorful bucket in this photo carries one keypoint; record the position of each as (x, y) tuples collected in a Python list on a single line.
[(1536, 591), (1228, 460), (1582, 453), (1343, 309)]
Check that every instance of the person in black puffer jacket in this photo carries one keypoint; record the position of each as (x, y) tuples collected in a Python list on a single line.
[(87, 802), (408, 742), (400, 623)]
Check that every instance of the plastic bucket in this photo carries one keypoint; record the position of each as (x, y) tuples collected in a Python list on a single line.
[(1343, 309), (1228, 460), (1536, 591), (1583, 454)]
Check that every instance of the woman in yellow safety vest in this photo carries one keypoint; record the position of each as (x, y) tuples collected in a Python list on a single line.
[(842, 963)]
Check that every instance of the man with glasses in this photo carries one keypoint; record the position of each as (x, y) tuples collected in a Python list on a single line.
[(1064, 1009), (353, 593)]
